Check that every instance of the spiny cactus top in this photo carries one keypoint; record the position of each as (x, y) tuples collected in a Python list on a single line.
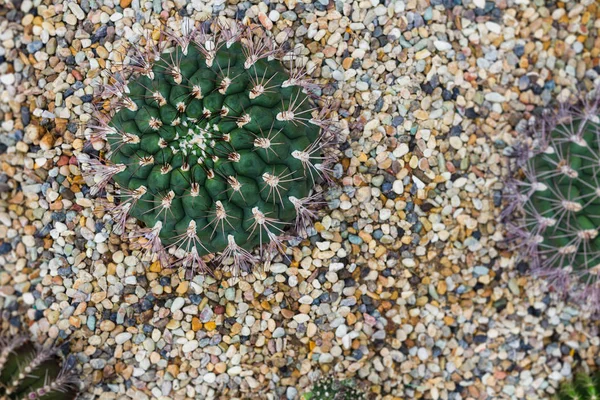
[(583, 387), (215, 146), (28, 372), (559, 199), (332, 389)]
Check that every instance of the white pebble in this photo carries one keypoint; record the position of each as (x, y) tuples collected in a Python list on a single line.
[(422, 354), (28, 298), (408, 262), (495, 97), (278, 268), (325, 358), (455, 142), (401, 150), (493, 27), (7, 79), (301, 318), (190, 346), (442, 46), (77, 11), (123, 337), (306, 299), (334, 39), (398, 187), (210, 377), (177, 304)]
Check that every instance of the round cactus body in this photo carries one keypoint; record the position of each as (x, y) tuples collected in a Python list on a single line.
[(215, 146), (332, 389), (30, 372), (583, 387), (559, 200)]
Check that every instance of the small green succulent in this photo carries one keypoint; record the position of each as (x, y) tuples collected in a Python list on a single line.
[(583, 387), (214, 146), (31, 372), (332, 389)]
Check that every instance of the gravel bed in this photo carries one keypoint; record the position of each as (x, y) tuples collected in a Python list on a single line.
[(405, 283)]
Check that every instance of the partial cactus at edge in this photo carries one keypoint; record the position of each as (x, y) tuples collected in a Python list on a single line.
[(557, 202), (332, 389), (31, 372), (215, 146), (583, 387)]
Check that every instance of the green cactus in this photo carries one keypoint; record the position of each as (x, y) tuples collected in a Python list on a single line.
[(566, 197), (559, 201), (332, 389), (583, 387), (29, 372), (215, 146)]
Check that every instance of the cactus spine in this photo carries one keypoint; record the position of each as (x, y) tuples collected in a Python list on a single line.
[(29, 372)]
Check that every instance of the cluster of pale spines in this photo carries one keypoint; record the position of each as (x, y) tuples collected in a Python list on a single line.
[(61, 385), (316, 158), (573, 266)]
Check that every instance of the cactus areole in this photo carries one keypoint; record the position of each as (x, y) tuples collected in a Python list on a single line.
[(215, 146), (559, 199)]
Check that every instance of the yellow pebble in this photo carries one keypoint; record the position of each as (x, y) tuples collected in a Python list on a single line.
[(196, 324), (173, 324), (182, 288), (155, 267), (210, 326), (230, 310)]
